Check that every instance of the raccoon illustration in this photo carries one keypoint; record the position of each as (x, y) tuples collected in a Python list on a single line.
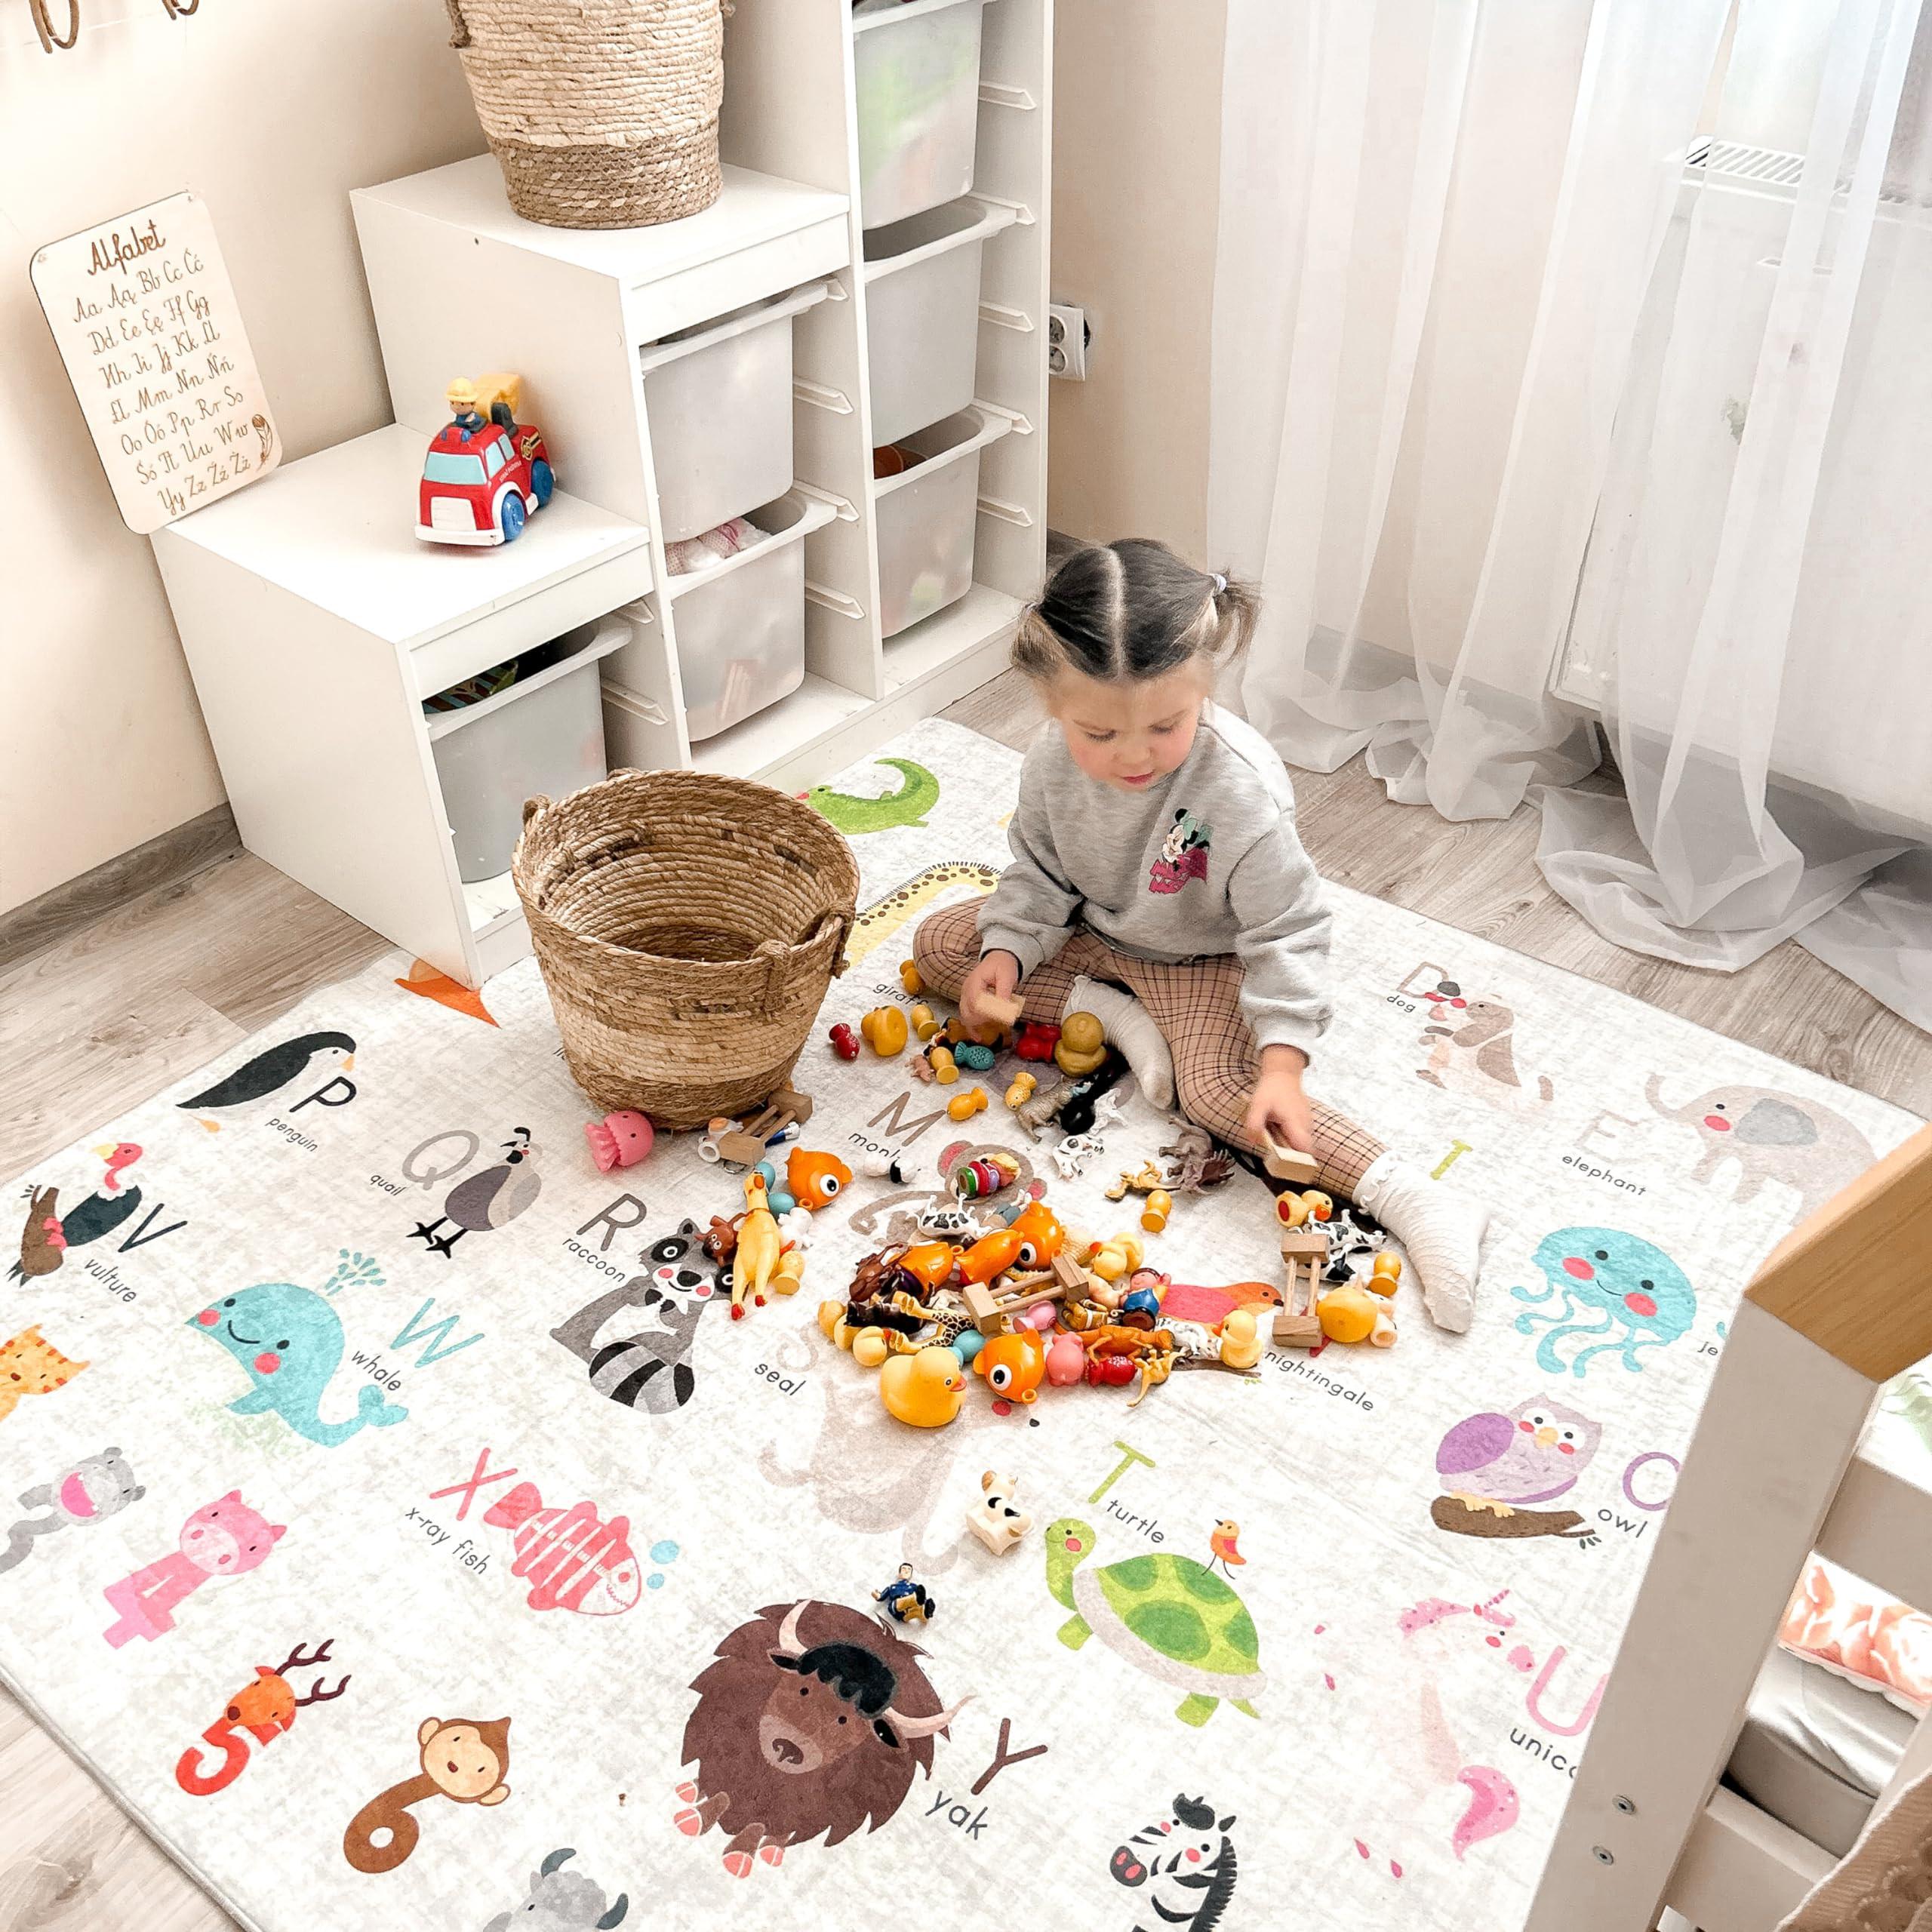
[(650, 1369)]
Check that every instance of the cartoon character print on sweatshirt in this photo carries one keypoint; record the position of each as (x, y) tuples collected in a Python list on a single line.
[(1183, 854)]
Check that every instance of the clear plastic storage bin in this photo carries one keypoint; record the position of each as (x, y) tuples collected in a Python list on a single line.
[(922, 314), (719, 404), (927, 517), (542, 735), (917, 69)]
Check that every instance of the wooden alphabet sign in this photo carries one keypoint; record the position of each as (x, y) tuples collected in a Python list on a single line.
[(145, 318)]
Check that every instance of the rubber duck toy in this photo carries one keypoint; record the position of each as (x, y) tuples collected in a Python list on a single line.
[(1082, 1045), (1013, 1366), (815, 1178), (1042, 1237), (925, 1389), (1241, 1345), (620, 1139)]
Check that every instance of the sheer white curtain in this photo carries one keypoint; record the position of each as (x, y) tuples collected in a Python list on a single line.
[(1503, 410)]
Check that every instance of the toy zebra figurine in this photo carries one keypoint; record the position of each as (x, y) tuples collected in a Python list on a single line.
[(1185, 1863), (651, 1369)]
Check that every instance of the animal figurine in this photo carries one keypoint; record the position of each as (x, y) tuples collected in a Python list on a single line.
[(561, 1901), (1037, 1040), (1241, 1346), (884, 1030), (815, 1179), (1012, 1366), (924, 1389), (1145, 1178), (1195, 1164), (759, 1245), (844, 1041), (1080, 1106), (1042, 1236), (992, 1518), (1110, 1260), (900, 1169), (905, 1602), (1070, 1156), (619, 1139), (911, 978), (1296, 1210), (975, 1058), (492, 1198), (1081, 1046), (1067, 1360), (963, 1106), (1034, 1113), (464, 1759), (1021, 1091), (1352, 1314)]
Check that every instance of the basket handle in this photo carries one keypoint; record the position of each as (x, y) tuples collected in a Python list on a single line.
[(844, 922), (778, 958), (460, 37), (531, 807)]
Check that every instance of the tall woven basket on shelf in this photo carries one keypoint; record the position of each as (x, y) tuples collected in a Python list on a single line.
[(601, 113), (688, 926)]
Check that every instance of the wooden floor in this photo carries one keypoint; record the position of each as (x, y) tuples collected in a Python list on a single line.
[(97, 1022)]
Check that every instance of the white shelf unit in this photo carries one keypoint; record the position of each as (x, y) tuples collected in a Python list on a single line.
[(459, 284), (316, 622)]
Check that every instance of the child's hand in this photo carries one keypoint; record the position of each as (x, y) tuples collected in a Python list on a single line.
[(1279, 1109), (996, 975)]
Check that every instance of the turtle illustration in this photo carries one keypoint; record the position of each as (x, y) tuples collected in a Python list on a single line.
[(1170, 1616)]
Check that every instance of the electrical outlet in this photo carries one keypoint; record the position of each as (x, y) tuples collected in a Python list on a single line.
[(1069, 334)]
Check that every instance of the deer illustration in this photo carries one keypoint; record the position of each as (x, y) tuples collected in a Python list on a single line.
[(265, 1709)]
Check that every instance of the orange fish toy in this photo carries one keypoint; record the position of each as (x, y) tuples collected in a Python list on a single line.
[(815, 1180), (1013, 1365)]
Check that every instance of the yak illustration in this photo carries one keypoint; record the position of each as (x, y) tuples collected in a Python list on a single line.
[(809, 1723)]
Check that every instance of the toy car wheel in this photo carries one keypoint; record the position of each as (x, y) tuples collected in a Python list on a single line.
[(512, 516), (542, 481)]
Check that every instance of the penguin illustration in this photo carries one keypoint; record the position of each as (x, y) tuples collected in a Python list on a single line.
[(268, 1073), (491, 1199)]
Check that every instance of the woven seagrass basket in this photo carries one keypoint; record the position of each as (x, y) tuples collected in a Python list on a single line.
[(688, 926), (601, 113)]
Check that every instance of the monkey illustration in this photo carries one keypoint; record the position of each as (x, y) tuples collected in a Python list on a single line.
[(464, 1760)]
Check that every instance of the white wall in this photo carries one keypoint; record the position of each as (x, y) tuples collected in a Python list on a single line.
[(1137, 187), (271, 110)]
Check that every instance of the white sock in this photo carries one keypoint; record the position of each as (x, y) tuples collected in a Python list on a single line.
[(1129, 1027), (1442, 1232)]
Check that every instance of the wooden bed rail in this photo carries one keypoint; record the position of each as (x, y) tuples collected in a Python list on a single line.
[(1842, 1305), (1856, 1279)]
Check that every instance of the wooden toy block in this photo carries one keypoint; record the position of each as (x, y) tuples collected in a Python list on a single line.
[(1068, 1273), (745, 1144), (1006, 1011), (1304, 1255), (1298, 1170), (992, 1307)]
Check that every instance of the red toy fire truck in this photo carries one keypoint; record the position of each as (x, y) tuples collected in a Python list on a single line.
[(486, 474)]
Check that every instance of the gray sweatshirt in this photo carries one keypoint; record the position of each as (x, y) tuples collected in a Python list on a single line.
[(1205, 861)]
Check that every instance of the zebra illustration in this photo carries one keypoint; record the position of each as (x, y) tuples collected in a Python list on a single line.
[(1186, 1864), (650, 1369)]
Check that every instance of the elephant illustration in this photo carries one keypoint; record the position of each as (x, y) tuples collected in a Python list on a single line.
[(1771, 1136)]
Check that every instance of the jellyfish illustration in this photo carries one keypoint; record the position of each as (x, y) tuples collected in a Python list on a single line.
[(1610, 1283)]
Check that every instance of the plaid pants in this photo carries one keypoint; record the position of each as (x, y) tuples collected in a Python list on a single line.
[(1195, 1002)]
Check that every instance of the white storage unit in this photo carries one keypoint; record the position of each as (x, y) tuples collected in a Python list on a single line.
[(316, 621), (541, 736), (719, 401), (458, 282), (928, 516), (922, 314), (917, 70)]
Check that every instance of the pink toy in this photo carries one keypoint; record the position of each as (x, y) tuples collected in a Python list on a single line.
[(1067, 1360), (219, 1539), (1042, 1315), (620, 1139)]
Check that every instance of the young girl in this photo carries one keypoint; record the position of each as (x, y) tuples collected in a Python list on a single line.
[(1159, 883)]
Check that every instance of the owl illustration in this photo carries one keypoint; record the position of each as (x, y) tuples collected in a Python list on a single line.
[(1507, 1462)]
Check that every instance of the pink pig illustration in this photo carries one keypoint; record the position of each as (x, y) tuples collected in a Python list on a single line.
[(221, 1538)]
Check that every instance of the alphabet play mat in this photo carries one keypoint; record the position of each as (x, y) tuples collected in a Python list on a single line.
[(363, 1550)]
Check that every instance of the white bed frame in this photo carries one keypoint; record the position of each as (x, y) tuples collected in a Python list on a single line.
[(1772, 1474)]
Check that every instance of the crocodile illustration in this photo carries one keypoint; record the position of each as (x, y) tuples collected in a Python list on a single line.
[(908, 805)]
